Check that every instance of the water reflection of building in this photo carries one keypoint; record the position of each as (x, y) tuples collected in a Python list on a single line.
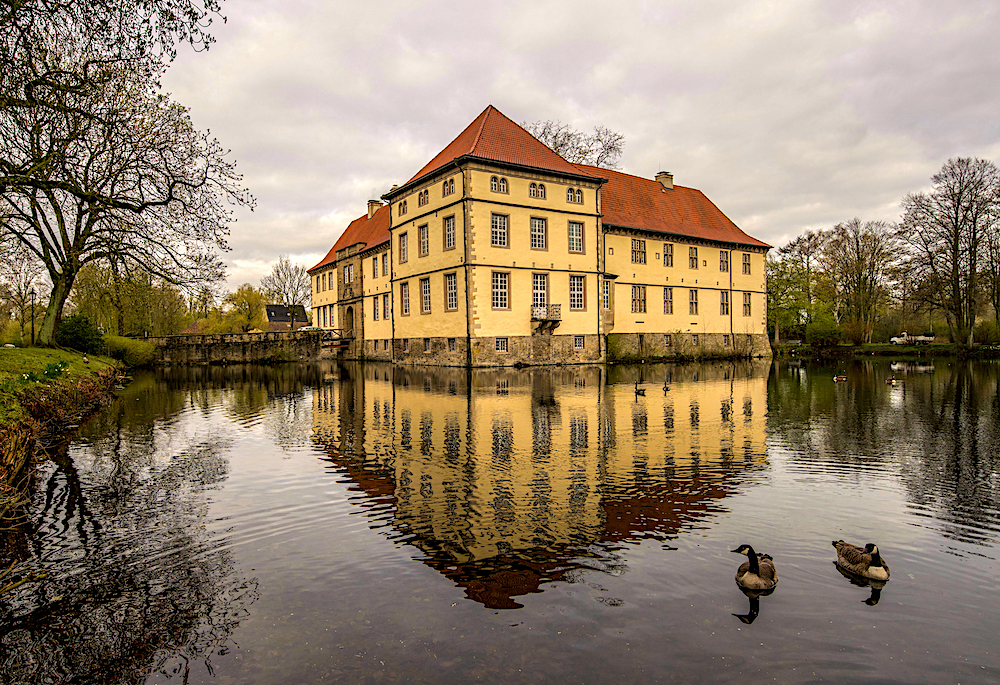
[(507, 478)]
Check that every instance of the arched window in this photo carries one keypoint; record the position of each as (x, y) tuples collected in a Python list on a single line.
[(451, 186), (579, 196), (541, 191), (533, 190), (503, 185), (402, 208), (494, 184), (444, 190), (570, 195)]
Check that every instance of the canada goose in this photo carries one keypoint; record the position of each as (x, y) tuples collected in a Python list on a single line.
[(864, 562), (891, 380), (840, 379), (638, 390), (757, 572), (85, 360), (666, 387), (875, 585)]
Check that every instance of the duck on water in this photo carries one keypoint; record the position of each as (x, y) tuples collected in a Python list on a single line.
[(864, 562)]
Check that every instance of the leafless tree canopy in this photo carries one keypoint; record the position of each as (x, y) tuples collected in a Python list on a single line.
[(947, 233), (287, 283), (603, 148)]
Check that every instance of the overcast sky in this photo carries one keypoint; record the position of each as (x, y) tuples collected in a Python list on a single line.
[(788, 115)]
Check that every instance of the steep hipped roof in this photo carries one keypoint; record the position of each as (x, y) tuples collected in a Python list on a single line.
[(494, 137), (371, 232), (633, 202)]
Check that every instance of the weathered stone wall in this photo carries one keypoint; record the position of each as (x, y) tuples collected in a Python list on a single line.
[(636, 346), (240, 348)]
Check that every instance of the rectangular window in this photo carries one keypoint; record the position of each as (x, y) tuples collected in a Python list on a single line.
[(452, 346), (374, 267), (746, 304), (346, 275), (693, 302), (404, 299), (577, 293), (668, 300), (318, 281), (606, 294), (498, 230), (425, 240), (425, 296), (724, 303), (746, 263), (539, 234), (385, 344), (638, 299), (449, 233), (539, 290), (351, 269), (638, 251), (578, 341), (725, 340), (385, 263), (375, 308), (427, 344), (501, 288), (668, 254), (575, 236), (385, 305), (693, 257), (451, 292), (403, 249), (501, 344), (667, 340), (724, 260), (694, 340), (406, 344)]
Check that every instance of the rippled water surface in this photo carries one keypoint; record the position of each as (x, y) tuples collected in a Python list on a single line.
[(325, 523)]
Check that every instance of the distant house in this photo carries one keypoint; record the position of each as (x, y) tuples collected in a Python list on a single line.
[(279, 316)]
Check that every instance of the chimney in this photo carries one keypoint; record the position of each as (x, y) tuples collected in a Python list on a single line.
[(373, 206), (666, 179)]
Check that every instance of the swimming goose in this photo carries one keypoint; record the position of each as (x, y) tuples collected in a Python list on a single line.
[(865, 562), (757, 572), (840, 379), (638, 390)]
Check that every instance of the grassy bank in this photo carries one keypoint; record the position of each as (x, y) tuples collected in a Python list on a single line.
[(24, 370), (883, 350)]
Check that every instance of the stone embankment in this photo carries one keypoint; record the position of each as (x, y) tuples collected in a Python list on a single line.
[(240, 348)]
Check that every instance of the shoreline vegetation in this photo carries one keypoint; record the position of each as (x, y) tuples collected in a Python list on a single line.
[(45, 394), (807, 351)]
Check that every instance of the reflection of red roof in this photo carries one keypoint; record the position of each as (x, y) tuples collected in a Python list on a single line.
[(634, 202), (371, 232), (494, 137)]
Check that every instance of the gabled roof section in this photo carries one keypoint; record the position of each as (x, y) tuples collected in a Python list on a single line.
[(492, 136), (371, 232), (633, 202)]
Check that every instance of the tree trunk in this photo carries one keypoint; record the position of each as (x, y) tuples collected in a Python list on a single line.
[(61, 287)]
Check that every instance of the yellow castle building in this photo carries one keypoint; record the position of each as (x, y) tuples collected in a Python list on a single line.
[(500, 252)]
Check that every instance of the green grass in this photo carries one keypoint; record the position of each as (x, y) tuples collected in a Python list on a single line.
[(22, 367)]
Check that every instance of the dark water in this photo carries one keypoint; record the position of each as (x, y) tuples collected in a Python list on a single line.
[(372, 524)]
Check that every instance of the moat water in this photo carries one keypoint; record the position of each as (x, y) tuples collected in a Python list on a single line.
[(376, 524)]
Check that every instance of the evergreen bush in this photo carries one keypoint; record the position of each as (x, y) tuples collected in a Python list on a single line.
[(77, 332)]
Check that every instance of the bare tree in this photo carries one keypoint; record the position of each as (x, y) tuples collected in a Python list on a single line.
[(946, 232), (20, 274), (138, 186), (859, 258), (288, 284), (603, 148)]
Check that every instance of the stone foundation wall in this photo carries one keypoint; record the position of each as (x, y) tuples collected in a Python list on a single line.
[(239, 348), (636, 346), (521, 350)]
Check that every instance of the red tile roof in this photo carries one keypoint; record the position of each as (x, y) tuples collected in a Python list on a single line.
[(494, 137), (634, 202), (371, 232)]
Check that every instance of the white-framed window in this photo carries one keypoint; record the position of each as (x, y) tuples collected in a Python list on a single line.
[(404, 298), (385, 305), (422, 198), (638, 299), (570, 195), (501, 344), (404, 249), (668, 300), (539, 290), (725, 340), (578, 342), (577, 292), (724, 303), (541, 191), (385, 344), (575, 236), (452, 345), (351, 270), (498, 230), (695, 340), (606, 294), (692, 257), (746, 304), (539, 234), (406, 344), (425, 241), (451, 292), (498, 185), (692, 302), (385, 263), (402, 208), (427, 344), (501, 290), (375, 267), (449, 233), (746, 263), (724, 260), (638, 251), (533, 190), (668, 340), (375, 308), (668, 254), (448, 187), (347, 274), (425, 296)]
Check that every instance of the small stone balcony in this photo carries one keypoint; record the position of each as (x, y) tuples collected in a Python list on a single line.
[(547, 318)]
